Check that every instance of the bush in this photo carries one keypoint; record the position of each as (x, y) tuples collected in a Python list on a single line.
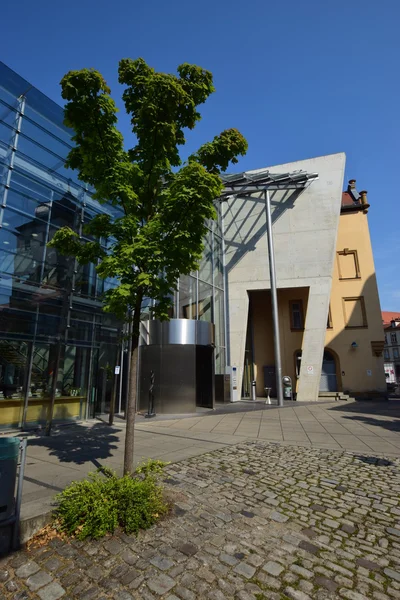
[(98, 505)]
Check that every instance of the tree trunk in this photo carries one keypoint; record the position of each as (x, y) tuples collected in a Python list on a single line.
[(131, 408)]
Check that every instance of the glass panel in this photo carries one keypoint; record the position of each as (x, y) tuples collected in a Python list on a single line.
[(205, 302), (80, 331), (219, 361), (103, 379), (205, 269), (187, 297), (8, 113), (41, 136), (55, 128), (219, 317), (13, 370), (218, 263)]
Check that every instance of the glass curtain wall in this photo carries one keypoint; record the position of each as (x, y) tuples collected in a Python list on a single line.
[(51, 319), (51, 322), (201, 296)]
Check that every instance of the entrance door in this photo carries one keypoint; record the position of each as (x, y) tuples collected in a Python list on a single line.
[(328, 381), (204, 376)]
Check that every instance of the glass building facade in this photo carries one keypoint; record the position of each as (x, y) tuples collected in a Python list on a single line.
[(55, 340)]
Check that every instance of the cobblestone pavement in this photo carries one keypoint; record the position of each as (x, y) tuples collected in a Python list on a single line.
[(254, 521)]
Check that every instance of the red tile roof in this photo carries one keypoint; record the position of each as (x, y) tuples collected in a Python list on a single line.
[(347, 199), (388, 316)]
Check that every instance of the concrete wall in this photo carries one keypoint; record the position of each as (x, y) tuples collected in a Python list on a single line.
[(305, 228)]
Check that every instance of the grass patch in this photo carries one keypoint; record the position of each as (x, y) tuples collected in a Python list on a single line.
[(98, 505)]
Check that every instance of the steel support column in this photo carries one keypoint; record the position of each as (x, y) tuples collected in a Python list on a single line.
[(274, 299)]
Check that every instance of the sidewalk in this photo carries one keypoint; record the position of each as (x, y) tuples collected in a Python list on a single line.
[(71, 452)]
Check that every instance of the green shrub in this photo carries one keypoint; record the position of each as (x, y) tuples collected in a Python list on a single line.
[(98, 505)]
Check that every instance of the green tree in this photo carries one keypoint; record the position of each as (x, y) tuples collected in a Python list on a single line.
[(165, 202)]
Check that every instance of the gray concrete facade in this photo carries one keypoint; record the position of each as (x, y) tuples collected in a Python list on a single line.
[(305, 225)]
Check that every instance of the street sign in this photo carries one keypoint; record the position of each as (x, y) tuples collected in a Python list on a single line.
[(117, 370), (310, 370)]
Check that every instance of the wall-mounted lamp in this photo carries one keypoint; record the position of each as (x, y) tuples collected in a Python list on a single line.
[(354, 345)]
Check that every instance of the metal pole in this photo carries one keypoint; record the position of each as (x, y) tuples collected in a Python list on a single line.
[(18, 502), (274, 299)]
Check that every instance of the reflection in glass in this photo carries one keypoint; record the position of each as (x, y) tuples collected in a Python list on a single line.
[(187, 297), (205, 268), (205, 302), (219, 317), (218, 262)]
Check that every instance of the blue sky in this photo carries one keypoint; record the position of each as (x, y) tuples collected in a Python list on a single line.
[(298, 79)]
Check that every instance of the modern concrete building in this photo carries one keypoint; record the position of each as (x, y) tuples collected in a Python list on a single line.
[(57, 345), (329, 312)]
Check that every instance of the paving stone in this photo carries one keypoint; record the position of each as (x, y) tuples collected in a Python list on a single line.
[(393, 531), (228, 559), (162, 563), (310, 533), (161, 584), (184, 593), (40, 579), (52, 591), (392, 574), (279, 517), (328, 584), (296, 594), (318, 507), (368, 564), (331, 523), (245, 570), (27, 569), (187, 548), (352, 595), (311, 548), (302, 572), (273, 568), (113, 547), (348, 528)]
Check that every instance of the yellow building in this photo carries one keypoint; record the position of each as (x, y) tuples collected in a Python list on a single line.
[(353, 354)]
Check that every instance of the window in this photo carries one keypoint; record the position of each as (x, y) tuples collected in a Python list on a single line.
[(348, 265), (395, 353), (354, 312), (386, 354), (393, 338), (296, 315)]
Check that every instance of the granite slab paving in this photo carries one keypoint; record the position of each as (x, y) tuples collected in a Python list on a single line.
[(253, 521)]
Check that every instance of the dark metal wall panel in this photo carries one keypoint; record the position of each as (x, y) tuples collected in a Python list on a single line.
[(175, 378), (178, 383)]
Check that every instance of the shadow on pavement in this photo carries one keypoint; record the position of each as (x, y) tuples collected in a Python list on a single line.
[(82, 444), (368, 412)]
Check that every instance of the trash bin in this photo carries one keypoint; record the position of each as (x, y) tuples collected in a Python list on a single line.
[(253, 390), (9, 454), (287, 387)]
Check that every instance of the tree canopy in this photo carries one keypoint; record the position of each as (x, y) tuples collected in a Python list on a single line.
[(165, 202)]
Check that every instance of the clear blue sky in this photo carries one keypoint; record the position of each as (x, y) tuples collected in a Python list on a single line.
[(298, 78)]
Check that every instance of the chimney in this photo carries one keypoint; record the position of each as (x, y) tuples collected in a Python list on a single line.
[(363, 195), (352, 185), (351, 189)]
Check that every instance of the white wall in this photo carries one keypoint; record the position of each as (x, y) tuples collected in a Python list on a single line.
[(305, 229)]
